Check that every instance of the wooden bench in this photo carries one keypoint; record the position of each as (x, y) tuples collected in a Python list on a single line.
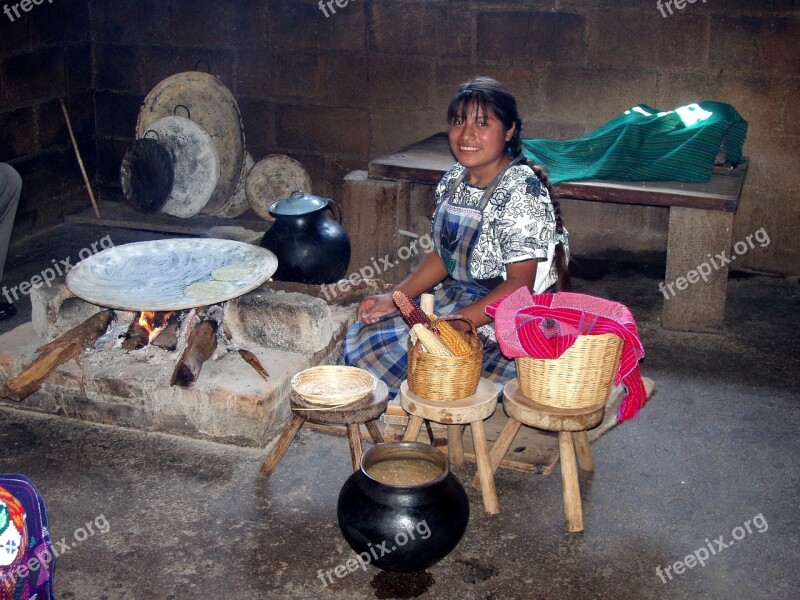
[(396, 193)]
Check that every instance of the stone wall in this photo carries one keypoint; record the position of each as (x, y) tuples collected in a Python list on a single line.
[(45, 55), (334, 91)]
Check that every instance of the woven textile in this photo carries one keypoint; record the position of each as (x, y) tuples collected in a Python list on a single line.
[(645, 144), (546, 325), (27, 558)]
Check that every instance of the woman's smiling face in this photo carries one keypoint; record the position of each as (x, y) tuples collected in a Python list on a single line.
[(478, 140)]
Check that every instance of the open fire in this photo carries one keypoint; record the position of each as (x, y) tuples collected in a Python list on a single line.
[(147, 327), (154, 322)]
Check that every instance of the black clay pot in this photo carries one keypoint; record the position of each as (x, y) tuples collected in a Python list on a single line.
[(310, 246), (402, 528)]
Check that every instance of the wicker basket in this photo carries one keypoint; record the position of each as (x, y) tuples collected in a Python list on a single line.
[(446, 378), (579, 378), (333, 386)]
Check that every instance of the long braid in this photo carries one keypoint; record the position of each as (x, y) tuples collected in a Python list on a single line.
[(564, 281)]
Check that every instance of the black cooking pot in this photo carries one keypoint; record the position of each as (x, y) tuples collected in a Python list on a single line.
[(310, 246), (406, 526)]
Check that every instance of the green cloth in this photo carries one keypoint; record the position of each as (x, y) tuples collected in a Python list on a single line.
[(644, 144)]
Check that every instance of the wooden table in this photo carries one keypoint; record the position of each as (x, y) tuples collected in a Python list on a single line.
[(399, 188)]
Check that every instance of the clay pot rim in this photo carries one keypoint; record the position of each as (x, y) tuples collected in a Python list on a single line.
[(405, 450)]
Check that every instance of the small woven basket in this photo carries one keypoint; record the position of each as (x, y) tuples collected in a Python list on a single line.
[(579, 378), (332, 386), (446, 378)]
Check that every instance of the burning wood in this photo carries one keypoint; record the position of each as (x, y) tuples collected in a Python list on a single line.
[(199, 347), (146, 328), (56, 353), (168, 338)]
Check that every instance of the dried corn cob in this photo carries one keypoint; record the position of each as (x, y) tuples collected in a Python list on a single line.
[(454, 341), (412, 313), (431, 343)]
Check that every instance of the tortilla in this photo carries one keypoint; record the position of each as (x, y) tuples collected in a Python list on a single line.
[(234, 272), (206, 289)]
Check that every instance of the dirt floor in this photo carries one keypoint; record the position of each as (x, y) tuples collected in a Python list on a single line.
[(711, 463)]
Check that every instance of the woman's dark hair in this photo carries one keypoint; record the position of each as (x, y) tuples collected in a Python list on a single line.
[(486, 93)]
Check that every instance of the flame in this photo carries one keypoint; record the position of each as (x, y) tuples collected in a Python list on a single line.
[(154, 322)]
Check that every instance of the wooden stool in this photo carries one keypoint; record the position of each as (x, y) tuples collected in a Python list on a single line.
[(571, 425), (471, 410), (366, 411)]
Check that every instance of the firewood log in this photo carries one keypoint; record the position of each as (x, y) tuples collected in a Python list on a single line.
[(199, 347), (56, 353)]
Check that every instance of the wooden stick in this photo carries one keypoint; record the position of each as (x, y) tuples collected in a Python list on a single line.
[(80, 160), (252, 360), (199, 348), (56, 353)]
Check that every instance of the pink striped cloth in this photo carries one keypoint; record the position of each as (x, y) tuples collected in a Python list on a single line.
[(546, 325)]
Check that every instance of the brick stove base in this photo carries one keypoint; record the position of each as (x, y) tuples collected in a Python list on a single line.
[(230, 402)]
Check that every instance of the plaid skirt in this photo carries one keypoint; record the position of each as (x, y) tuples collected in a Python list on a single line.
[(382, 348)]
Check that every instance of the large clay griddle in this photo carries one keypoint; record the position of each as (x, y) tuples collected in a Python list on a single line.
[(212, 106), (154, 275), (195, 164)]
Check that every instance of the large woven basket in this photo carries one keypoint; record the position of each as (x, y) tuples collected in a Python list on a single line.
[(446, 378), (579, 378)]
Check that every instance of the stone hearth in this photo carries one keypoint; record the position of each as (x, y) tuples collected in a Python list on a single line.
[(289, 327)]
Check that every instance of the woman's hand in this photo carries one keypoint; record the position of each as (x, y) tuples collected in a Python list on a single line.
[(374, 308)]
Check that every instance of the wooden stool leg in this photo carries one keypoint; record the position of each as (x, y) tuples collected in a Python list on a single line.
[(283, 443), (455, 449), (374, 432), (412, 429), (354, 438), (582, 450), (500, 447), (490, 503), (573, 514)]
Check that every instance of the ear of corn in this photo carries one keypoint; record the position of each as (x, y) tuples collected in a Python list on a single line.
[(412, 314), (431, 343), (454, 341)]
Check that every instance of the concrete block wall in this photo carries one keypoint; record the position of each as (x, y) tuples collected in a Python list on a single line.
[(337, 87), (45, 55)]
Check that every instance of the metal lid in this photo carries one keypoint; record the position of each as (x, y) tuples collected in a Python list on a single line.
[(299, 203)]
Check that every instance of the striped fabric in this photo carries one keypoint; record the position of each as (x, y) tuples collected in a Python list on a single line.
[(645, 144), (546, 325), (382, 348)]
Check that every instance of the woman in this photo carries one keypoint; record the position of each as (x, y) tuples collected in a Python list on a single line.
[(497, 227)]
